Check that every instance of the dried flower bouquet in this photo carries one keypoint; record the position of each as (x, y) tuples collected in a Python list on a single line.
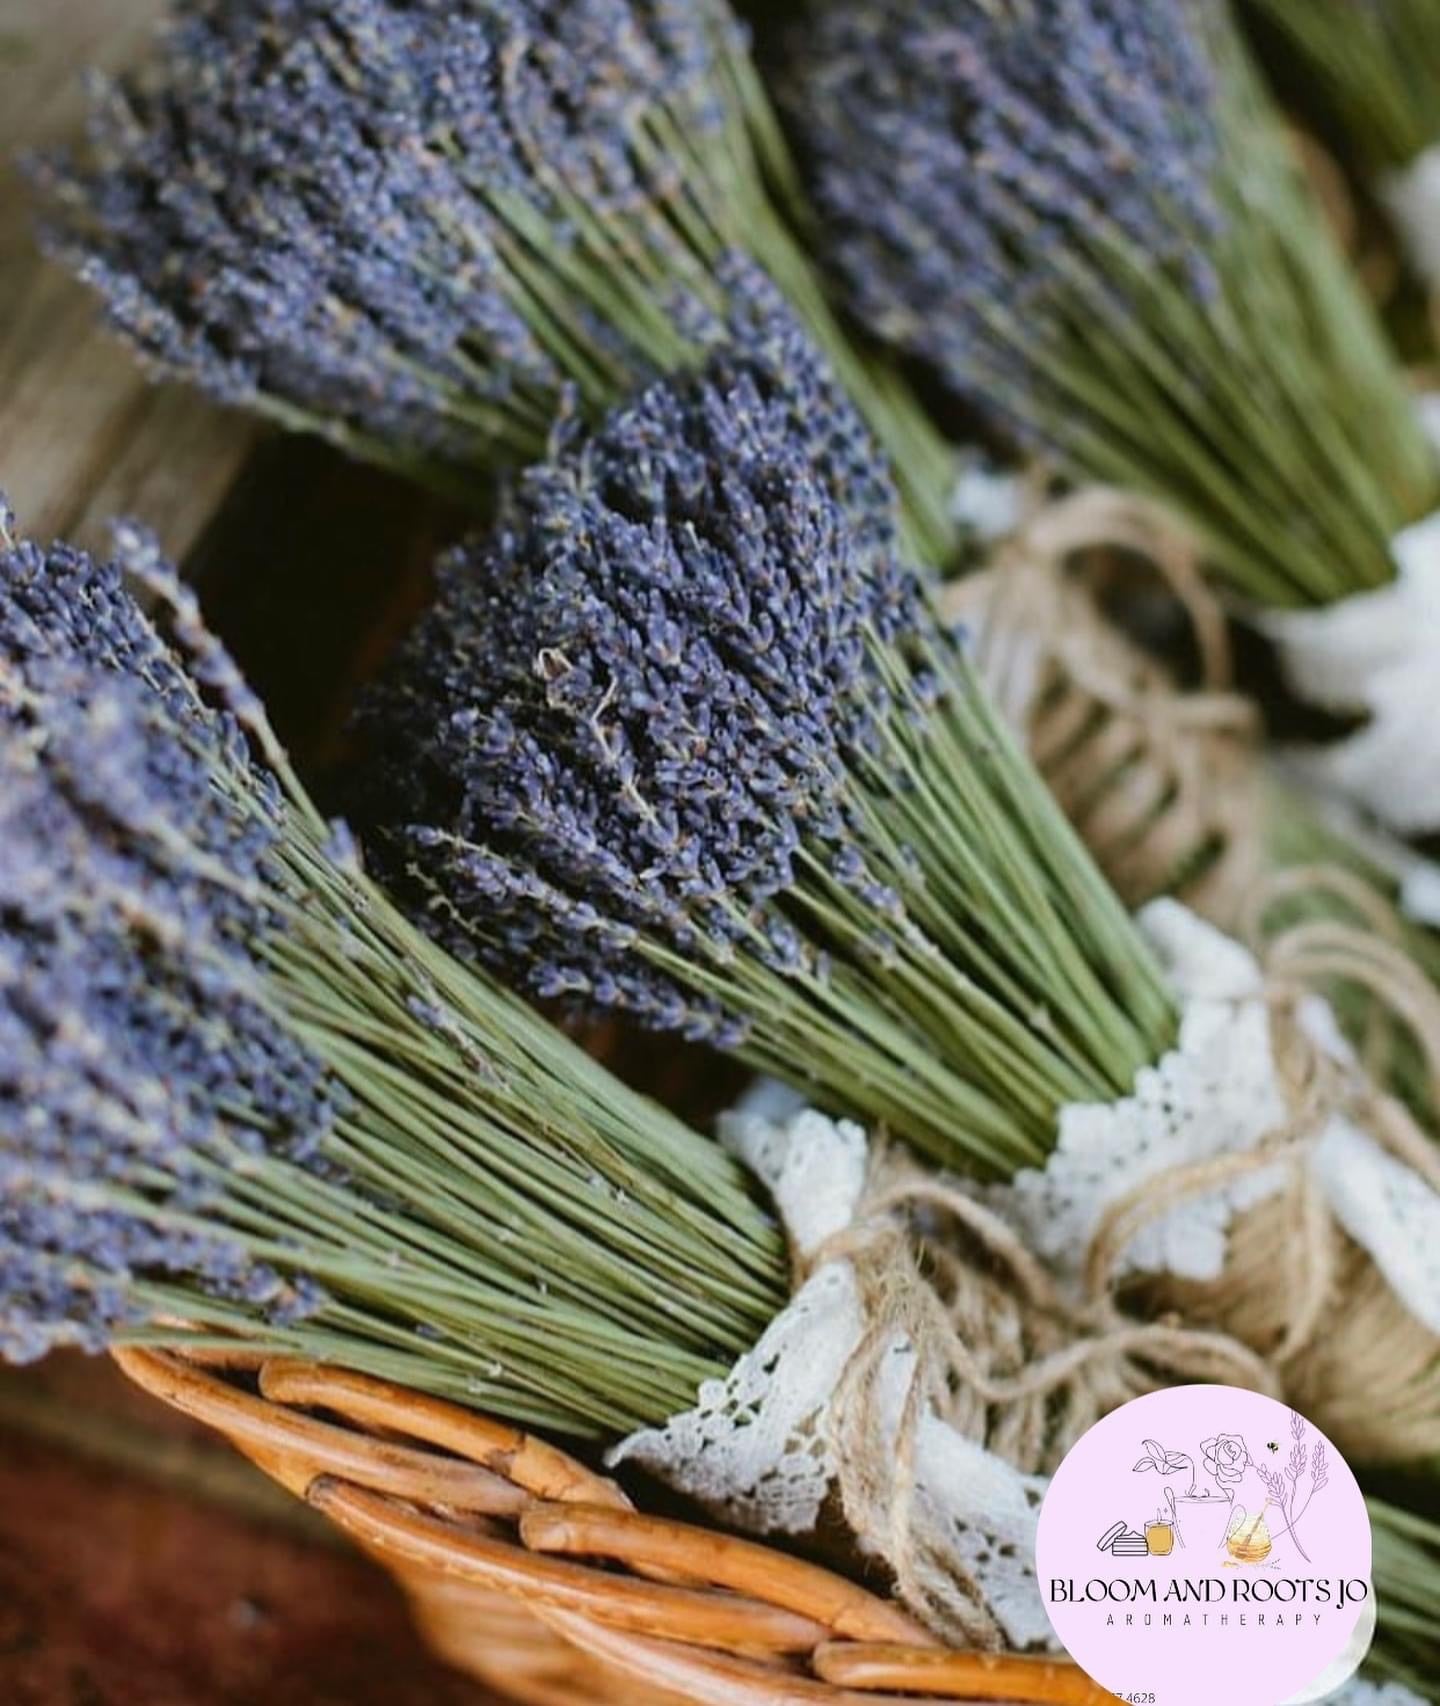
[(240, 1095), (685, 740), (1376, 67), (413, 226), (1084, 216)]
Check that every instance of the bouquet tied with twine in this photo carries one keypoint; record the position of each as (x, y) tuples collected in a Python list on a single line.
[(1086, 218), (683, 740)]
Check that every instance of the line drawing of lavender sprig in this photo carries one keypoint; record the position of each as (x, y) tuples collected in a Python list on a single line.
[(1284, 1486)]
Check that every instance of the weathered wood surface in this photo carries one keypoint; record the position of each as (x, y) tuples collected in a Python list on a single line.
[(116, 1590), (303, 559), (82, 435)]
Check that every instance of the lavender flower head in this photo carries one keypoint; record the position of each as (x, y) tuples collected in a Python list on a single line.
[(971, 160), (651, 678), (665, 744), (339, 209), (411, 225), (137, 1060)]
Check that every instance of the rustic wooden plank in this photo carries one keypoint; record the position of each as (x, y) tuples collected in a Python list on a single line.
[(143, 1562), (113, 1593), (83, 435), (84, 1408)]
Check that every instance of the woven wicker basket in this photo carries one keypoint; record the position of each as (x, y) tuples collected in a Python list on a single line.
[(530, 1572)]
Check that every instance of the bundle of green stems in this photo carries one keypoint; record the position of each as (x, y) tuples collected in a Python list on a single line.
[(242, 1097), (514, 204), (1376, 66)]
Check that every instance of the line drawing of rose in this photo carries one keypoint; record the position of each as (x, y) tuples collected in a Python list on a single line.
[(1226, 1457)]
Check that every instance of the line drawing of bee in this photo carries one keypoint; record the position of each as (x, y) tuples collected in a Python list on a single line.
[(1271, 1445)]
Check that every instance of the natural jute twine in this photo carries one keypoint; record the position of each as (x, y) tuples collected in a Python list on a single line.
[(1166, 787), (1002, 1353), (1296, 1287), (1163, 786), (1161, 782), (1005, 1356)]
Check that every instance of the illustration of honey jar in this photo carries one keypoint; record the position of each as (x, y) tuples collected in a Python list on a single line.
[(1247, 1539)]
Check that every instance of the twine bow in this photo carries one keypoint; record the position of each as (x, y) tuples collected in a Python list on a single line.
[(997, 1352), (1296, 1287), (1166, 787)]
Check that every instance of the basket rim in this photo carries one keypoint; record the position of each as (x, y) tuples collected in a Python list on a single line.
[(449, 1501)]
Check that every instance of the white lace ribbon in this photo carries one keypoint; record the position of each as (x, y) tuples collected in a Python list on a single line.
[(987, 500), (1218, 1094), (1389, 1210), (1215, 1094), (756, 1449), (1413, 197), (1377, 654)]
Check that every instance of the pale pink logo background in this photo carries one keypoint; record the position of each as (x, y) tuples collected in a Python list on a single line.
[(1205, 1485)]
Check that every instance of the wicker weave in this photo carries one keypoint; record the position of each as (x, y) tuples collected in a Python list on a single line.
[(532, 1573)]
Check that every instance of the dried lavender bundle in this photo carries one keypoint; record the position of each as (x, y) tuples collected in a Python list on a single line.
[(685, 740), (1167, 788), (411, 224), (1084, 216), (239, 1095)]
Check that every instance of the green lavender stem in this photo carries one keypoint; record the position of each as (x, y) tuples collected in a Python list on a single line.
[(1377, 66), (1406, 1565), (1274, 416), (240, 1094)]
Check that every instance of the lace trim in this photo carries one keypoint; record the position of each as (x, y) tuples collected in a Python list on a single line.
[(987, 501), (756, 1449), (1215, 1094), (1218, 1094), (1389, 1210)]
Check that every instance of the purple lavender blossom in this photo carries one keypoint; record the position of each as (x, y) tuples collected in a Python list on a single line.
[(637, 702), (415, 226), (1085, 218), (138, 1060), (971, 161)]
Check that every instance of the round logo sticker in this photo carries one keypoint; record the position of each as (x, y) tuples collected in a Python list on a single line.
[(1206, 1543)]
